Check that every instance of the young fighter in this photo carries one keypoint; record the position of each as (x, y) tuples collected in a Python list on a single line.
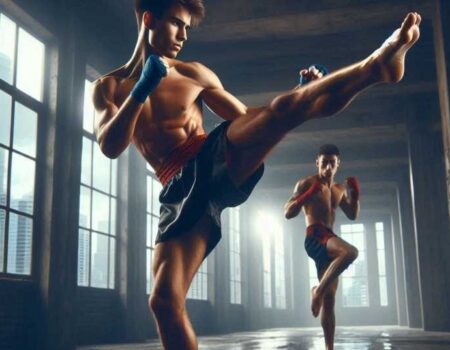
[(155, 102), (319, 196)]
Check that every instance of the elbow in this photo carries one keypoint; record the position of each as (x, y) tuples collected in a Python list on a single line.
[(106, 147), (108, 151)]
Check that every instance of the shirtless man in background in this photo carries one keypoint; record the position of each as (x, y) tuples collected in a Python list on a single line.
[(155, 102), (319, 197)]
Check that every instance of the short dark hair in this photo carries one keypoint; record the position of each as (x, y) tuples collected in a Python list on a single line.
[(329, 150), (160, 7)]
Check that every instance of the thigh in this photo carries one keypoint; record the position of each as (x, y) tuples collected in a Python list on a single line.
[(336, 246), (250, 138), (177, 260)]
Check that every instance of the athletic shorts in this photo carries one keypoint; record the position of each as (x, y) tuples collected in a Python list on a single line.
[(316, 239), (202, 187)]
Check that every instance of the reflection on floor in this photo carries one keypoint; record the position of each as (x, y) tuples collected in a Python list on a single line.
[(348, 338)]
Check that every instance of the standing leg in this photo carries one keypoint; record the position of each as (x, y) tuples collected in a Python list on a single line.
[(252, 136), (327, 317), (174, 266), (343, 254)]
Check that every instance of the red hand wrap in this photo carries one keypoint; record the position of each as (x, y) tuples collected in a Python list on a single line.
[(302, 198), (354, 185)]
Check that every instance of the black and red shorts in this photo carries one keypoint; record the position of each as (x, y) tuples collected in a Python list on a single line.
[(316, 239)]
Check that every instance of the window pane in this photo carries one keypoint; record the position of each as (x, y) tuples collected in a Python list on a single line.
[(25, 130), (3, 174), (149, 168), (5, 116), (114, 177), (86, 162), (157, 187), (379, 226), (99, 258), (102, 170), (381, 263), (380, 239), (149, 274), (155, 223), (30, 72), (85, 207), (100, 212), (22, 183), (2, 237), (83, 257), (113, 223), (7, 45), (149, 230), (383, 292), (19, 244), (88, 112), (112, 262), (355, 292), (149, 194)]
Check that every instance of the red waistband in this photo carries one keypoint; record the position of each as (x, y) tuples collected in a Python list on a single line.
[(321, 227), (179, 157)]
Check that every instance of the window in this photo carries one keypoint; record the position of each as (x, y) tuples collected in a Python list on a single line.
[(280, 280), (235, 256), (381, 256), (267, 262), (153, 189), (98, 203), (199, 285), (272, 237), (355, 289), (21, 103)]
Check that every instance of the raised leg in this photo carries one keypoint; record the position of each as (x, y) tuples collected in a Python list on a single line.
[(252, 136)]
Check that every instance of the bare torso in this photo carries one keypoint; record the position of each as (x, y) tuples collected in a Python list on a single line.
[(321, 208), (171, 115)]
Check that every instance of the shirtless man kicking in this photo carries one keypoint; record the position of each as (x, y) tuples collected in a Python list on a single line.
[(319, 196), (155, 102)]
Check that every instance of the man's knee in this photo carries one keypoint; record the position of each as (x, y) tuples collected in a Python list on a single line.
[(351, 254), (167, 305)]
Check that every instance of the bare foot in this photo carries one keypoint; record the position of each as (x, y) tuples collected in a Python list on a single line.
[(316, 302), (389, 59)]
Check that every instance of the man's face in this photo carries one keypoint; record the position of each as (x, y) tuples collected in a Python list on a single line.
[(327, 165), (170, 32)]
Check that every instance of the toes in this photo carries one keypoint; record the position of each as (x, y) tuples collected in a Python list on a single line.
[(409, 21), (419, 19)]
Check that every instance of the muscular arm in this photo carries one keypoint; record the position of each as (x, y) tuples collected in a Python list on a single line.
[(114, 126), (303, 190), (350, 203), (220, 101)]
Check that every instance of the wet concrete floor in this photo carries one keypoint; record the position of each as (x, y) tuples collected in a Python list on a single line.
[(348, 338)]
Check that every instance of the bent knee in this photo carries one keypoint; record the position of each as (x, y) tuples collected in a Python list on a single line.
[(351, 254), (166, 305)]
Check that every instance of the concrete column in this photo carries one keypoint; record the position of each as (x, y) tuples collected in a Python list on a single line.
[(57, 242), (400, 285), (413, 295), (441, 26), (430, 205)]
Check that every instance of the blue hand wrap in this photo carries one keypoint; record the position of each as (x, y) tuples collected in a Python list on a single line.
[(152, 73), (321, 68)]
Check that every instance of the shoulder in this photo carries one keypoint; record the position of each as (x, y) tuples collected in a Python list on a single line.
[(305, 183), (200, 73), (339, 187), (104, 89)]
